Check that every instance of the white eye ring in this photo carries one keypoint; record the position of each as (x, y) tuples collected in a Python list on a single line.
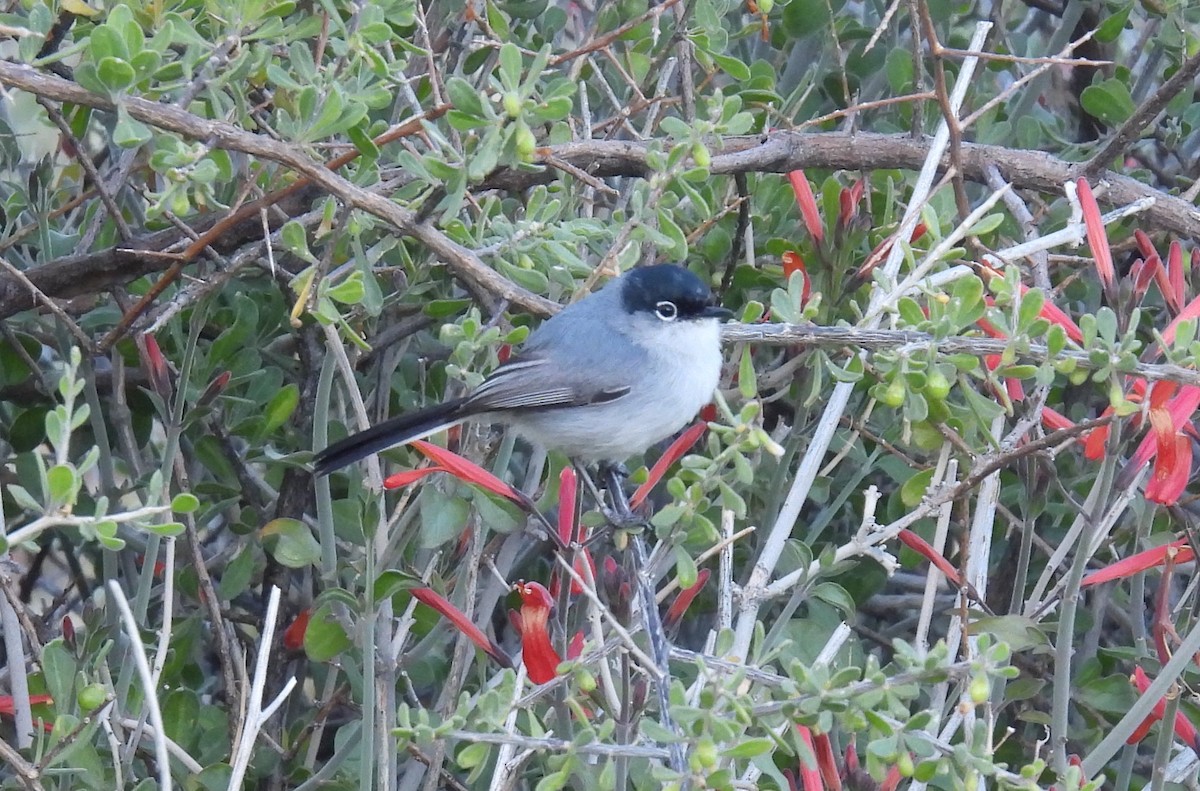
[(666, 310)]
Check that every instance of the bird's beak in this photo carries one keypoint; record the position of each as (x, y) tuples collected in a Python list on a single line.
[(716, 312)]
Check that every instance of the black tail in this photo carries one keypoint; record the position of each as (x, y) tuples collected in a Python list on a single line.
[(396, 431)]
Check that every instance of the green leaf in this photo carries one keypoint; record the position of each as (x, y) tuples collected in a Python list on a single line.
[(393, 581), (294, 239), (280, 408), (1019, 632), (685, 567), (62, 483), (732, 66), (832, 593), (350, 291), (913, 490), (465, 98), (853, 372), (166, 529), (747, 379), (1109, 101), (116, 74), (128, 132), (510, 66), (325, 638), (986, 225), (238, 574), (899, 70), (291, 543), (106, 534), (1031, 306), (910, 311), (748, 748), (443, 517), (106, 42), (59, 668), (185, 503), (473, 755), (1108, 30)]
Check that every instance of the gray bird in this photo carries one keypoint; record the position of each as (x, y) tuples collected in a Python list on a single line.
[(602, 380)]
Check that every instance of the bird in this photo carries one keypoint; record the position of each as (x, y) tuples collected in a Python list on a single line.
[(601, 381)]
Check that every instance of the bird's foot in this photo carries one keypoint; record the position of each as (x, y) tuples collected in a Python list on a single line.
[(619, 515)]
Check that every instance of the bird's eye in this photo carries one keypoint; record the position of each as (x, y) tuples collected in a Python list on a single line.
[(666, 310)]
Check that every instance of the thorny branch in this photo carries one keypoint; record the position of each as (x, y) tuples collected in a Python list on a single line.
[(777, 152)]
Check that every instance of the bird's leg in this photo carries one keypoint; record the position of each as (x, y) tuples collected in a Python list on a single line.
[(621, 514), (586, 476)]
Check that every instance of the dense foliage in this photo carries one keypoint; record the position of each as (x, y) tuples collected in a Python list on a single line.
[(955, 398)]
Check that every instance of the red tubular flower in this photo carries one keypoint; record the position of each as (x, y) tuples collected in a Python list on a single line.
[(892, 781), (848, 201), (1189, 311), (810, 776), (156, 366), (1145, 246), (1141, 273), (293, 636), (922, 548), (541, 660), (808, 204), (469, 471), (408, 477), (1172, 462), (1166, 442), (792, 262), (881, 252), (827, 762), (1140, 562), (214, 389), (431, 598), (1096, 235), (672, 454), (8, 707), (1054, 420), (1183, 726), (1174, 294), (566, 504), (575, 647)]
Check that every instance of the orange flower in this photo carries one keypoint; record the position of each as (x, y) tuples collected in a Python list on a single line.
[(293, 636), (792, 262), (541, 660), (922, 548), (674, 453), (1097, 237), (469, 471), (431, 598), (808, 204), (1166, 442), (8, 707), (1141, 561), (1183, 727)]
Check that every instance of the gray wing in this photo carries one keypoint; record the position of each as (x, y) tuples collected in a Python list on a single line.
[(535, 382), (572, 359)]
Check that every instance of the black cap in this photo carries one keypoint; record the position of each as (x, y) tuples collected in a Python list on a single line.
[(646, 288)]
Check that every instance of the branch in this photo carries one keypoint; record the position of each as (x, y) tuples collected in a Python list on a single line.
[(874, 340), (778, 152), (479, 278), (782, 151)]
